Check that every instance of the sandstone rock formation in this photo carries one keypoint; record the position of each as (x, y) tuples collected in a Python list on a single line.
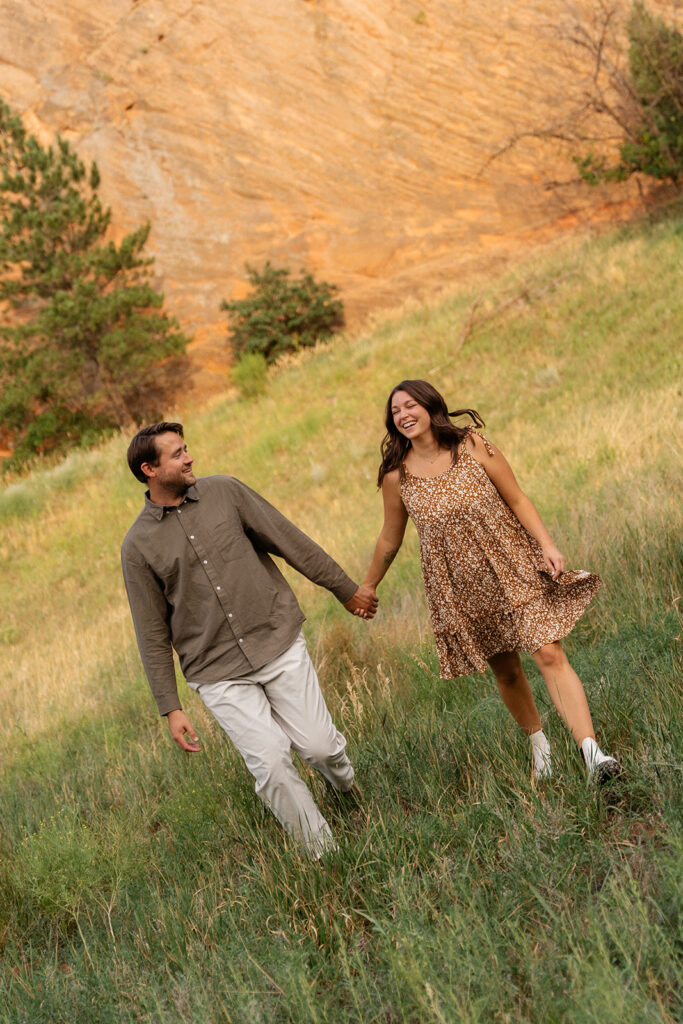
[(347, 137)]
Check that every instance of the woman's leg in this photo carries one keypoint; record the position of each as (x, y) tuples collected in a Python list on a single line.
[(514, 688), (566, 690)]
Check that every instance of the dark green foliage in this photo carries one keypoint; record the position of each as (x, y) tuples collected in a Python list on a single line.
[(84, 333), (653, 105), (281, 315)]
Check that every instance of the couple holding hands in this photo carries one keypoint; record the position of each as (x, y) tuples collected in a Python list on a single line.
[(200, 579)]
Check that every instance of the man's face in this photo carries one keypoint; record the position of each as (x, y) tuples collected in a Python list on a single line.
[(173, 472)]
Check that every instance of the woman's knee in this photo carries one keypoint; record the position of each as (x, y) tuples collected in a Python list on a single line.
[(507, 669), (550, 656)]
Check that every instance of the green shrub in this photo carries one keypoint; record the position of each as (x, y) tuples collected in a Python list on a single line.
[(66, 866), (652, 101), (250, 374), (281, 315)]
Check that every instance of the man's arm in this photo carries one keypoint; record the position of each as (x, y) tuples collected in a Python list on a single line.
[(150, 617), (275, 534), (150, 613)]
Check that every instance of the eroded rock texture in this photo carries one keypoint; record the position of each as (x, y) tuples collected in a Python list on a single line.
[(349, 137)]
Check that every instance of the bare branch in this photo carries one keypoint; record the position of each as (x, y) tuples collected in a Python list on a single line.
[(473, 323), (642, 98)]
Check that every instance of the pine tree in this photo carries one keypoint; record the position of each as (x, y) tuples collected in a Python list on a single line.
[(82, 332)]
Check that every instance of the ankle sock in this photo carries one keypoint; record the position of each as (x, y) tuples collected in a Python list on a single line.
[(540, 749)]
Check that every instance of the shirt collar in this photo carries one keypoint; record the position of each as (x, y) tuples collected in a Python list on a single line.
[(159, 511)]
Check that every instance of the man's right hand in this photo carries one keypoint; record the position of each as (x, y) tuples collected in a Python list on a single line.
[(363, 603), (179, 724)]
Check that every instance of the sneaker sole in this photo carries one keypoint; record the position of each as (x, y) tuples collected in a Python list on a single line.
[(607, 771)]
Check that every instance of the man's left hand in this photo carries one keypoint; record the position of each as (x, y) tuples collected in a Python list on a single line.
[(363, 603)]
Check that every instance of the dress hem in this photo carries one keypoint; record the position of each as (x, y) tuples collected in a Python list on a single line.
[(478, 665)]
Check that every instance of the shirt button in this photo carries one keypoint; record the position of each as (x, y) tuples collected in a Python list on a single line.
[(191, 536), (178, 511), (218, 588), (240, 641), (229, 615), (205, 562)]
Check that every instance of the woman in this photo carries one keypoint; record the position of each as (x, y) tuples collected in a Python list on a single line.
[(495, 581)]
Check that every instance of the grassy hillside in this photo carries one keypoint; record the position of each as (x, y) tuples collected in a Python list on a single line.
[(141, 885)]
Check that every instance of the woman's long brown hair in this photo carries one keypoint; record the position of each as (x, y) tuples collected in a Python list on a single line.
[(395, 446)]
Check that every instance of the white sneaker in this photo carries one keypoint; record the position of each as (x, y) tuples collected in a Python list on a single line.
[(600, 767), (540, 748)]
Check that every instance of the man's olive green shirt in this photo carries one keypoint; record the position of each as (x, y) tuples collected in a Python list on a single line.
[(200, 579)]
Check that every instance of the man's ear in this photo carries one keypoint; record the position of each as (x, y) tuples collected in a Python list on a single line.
[(148, 469)]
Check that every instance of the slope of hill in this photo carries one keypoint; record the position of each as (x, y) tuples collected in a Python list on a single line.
[(347, 138), (140, 886)]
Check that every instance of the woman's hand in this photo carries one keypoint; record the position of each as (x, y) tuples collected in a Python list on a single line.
[(554, 559)]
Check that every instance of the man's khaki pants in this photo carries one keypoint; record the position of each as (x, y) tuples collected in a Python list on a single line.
[(266, 714)]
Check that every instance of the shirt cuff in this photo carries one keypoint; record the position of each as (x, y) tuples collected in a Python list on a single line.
[(344, 592), (168, 704)]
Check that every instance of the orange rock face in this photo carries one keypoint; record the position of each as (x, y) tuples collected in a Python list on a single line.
[(346, 137)]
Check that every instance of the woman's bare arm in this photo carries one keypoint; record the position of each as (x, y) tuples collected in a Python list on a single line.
[(501, 476), (392, 532)]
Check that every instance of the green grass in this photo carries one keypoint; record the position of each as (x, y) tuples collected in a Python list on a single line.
[(139, 885)]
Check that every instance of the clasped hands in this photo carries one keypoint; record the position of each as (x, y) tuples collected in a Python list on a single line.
[(363, 603)]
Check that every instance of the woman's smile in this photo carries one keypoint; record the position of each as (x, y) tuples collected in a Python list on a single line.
[(409, 416)]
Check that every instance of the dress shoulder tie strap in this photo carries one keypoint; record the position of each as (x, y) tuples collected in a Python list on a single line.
[(487, 443)]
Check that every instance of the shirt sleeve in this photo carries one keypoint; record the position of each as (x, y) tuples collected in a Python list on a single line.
[(150, 613), (274, 533)]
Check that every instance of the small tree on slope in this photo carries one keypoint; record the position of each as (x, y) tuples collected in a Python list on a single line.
[(82, 333), (651, 111), (281, 315)]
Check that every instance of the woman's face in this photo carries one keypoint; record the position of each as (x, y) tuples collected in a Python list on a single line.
[(410, 418)]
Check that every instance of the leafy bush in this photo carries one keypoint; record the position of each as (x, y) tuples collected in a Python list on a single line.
[(81, 347), (282, 314), (651, 113), (250, 374), (66, 866)]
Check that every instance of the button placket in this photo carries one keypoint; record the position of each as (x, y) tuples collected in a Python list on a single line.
[(220, 592)]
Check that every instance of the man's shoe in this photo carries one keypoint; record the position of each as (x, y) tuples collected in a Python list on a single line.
[(347, 799), (352, 796)]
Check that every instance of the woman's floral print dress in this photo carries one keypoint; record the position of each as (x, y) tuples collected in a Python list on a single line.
[(488, 588)]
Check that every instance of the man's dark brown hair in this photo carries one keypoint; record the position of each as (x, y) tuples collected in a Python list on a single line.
[(143, 447)]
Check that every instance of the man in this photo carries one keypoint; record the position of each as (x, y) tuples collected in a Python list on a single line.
[(199, 578)]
